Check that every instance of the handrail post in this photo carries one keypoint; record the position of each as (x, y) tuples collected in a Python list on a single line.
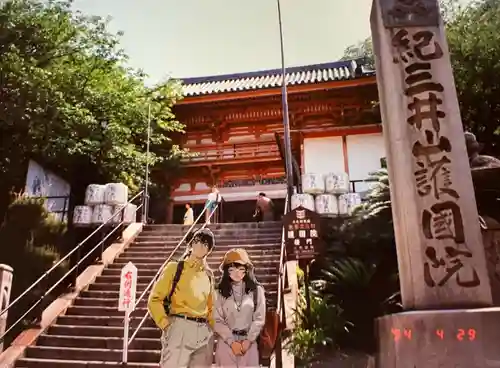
[(125, 337), (279, 340)]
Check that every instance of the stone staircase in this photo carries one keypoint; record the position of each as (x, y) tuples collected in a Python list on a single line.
[(90, 333)]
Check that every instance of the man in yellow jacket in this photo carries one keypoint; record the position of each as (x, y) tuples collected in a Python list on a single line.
[(187, 338)]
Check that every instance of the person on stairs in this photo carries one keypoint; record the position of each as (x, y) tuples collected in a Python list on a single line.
[(213, 199), (239, 313), (181, 304), (189, 215), (264, 208)]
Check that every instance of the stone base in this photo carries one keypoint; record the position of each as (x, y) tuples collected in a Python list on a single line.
[(457, 338)]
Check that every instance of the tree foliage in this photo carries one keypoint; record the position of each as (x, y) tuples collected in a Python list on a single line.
[(475, 56), (472, 33), (69, 101)]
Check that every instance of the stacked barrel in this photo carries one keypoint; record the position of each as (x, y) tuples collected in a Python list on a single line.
[(327, 194), (101, 202)]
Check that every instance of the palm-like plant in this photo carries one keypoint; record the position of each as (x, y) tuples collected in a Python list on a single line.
[(363, 291)]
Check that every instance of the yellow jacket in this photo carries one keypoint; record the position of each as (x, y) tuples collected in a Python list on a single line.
[(193, 296)]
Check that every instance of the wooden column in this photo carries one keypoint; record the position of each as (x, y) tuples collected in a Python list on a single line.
[(170, 211), (440, 252)]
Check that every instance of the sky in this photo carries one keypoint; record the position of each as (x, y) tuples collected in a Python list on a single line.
[(190, 38)]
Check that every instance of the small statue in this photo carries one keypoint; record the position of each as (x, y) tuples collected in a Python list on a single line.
[(475, 159)]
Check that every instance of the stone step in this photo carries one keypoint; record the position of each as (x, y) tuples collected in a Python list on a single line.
[(222, 244), (269, 248), (59, 363), (106, 286), (219, 234), (103, 321), (269, 266), (91, 310), (98, 342), (214, 261), (113, 294), (215, 230), (161, 247), (237, 225), (102, 331), (262, 277), (67, 353), (151, 272), (53, 363)]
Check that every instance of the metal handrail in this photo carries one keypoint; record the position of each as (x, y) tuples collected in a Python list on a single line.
[(41, 278), (280, 301), (281, 283), (136, 331)]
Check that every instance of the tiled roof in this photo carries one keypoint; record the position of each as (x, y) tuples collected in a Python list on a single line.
[(309, 74)]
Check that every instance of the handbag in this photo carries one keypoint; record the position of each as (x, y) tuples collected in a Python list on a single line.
[(268, 336)]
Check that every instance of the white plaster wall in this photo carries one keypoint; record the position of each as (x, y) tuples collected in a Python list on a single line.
[(201, 186), (364, 152), (184, 187), (245, 193), (323, 155)]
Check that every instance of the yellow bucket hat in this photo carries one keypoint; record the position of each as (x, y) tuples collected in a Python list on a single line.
[(236, 255)]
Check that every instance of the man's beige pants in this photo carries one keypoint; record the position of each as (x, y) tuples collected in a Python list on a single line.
[(187, 344)]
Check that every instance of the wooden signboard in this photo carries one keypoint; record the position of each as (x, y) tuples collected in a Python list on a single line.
[(302, 229)]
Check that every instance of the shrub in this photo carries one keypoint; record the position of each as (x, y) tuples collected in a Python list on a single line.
[(315, 334), (30, 243), (363, 291)]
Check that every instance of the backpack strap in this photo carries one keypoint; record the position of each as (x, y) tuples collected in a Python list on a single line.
[(177, 277)]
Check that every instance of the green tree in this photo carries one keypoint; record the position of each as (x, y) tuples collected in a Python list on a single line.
[(475, 56), (472, 33), (69, 101)]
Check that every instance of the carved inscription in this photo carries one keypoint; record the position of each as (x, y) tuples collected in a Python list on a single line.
[(447, 258), (410, 13)]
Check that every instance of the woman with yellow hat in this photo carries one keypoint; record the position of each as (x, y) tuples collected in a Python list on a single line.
[(239, 313)]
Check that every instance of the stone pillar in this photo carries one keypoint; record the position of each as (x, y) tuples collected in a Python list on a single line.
[(6, 274), (440, 252), (442, 264)]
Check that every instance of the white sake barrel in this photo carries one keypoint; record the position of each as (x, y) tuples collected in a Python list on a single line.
[(326, 204), (116, 194), (343, 205), (353, 200), (130, 213), (305, 200), (101, 213), (118, 218), (94, 194), (313, 184), (82, 216), (337, 183)]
